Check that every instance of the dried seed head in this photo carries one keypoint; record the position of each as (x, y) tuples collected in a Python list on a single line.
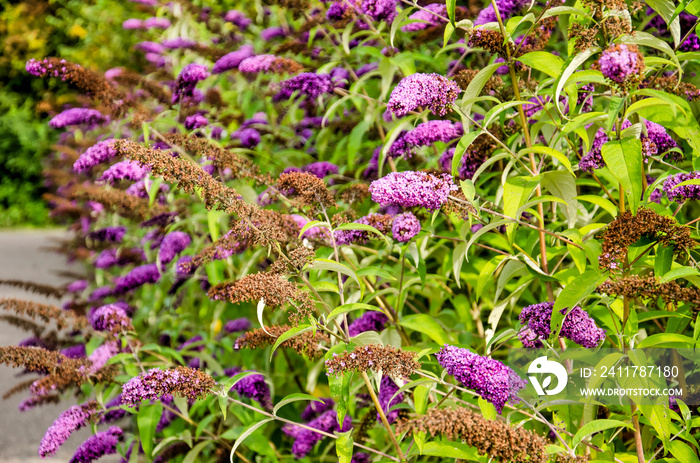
[(493, 438), (306, 344), (648, 287), (390, 360), (310, 189), (627, 229)]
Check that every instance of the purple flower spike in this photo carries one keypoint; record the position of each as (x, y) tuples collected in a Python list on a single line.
[(125, 170), (621, 63), (578, 326), (490, 378), (681, 194), (315, 408), (108, 234), (196, 121), (417, 91), (425, 134), (132, 24), (77, 116), (96, 446), (156, 23), (239, 19), (387, 388), (306, 84), (369, 321), (429, 16), (506, 8), (172, 245), (232, 60), (380, 10), (179, 43), (405, 227), (327, 422), (66, 424), (321, 169), (96, 154), (237, 325), (139, 276), (187, 81), (409, 189)]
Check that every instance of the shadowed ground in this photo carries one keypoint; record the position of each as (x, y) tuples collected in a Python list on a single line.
[(22, 258)]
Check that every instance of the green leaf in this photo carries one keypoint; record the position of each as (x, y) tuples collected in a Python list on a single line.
[(399, 21), (663, 260), (542, 61), (573, 65), (693, 181), (583, 120), (547, 151), (147, 420), (458, 256), (672, 340), (594, 427), (682, 451), (562, 185), (345, 308), (289, 334), (427, 325), (488, 410), (680, 272), (450, 449), (451, 10), (363, 227), (420, 399), (605, 204), (355, 140), (666, 8), (343, 446), (624, 159), (375, 271), (326, 264), (340, 392), (230, 382), (559, 10), (657, 416), (192, 455), (516, 191), (311, 224), (449, 30), (295, 397), (248, 431), (573, 293), (648, 40), (477, 85), (462, 146)]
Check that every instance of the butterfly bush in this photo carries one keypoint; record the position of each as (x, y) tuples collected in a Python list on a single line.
[(271, 235)]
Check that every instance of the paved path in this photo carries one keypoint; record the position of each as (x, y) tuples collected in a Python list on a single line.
[(22, 258)]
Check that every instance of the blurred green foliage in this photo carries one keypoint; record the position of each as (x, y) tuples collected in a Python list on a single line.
[(86, 32)]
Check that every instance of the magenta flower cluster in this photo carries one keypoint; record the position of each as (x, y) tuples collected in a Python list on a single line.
[(232, 60), (308, 84), (428, 17), (96, 154), (138, 276), (187, 81), (369, 321), (98, 445), (78, 116), (577, 326), (110, 317), (327, 422), (490, 378), (506, 8), (681, 194), (405, 227), (173, 244), (421, 91), (66, 424), (425, 134), (125, 170), (620, 63), (411, 189)]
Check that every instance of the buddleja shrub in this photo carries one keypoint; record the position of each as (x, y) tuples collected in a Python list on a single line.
[(313, 231)]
